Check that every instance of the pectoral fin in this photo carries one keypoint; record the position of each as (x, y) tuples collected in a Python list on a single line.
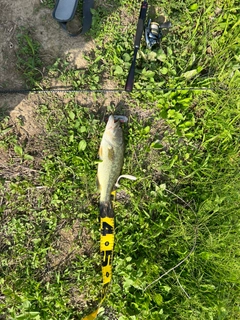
[(100, 153)]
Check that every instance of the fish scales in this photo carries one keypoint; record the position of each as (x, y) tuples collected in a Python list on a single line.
[(111, 153)]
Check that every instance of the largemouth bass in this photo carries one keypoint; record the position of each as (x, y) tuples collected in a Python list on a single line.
[(111, 154)]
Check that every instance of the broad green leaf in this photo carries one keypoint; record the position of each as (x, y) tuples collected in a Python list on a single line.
[(118, 70), (158, 299), (127, 283), (190, 74), (193, 7), (147, 129), (126, 57), (152, 56), (164, 70), (156, 145), (29, 315), (71, 115), (28, 157), (18, 149), (162, 186), (82, 145), (161, 56), (148, 73), (83, 129)]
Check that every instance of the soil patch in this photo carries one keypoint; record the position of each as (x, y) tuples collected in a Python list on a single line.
[(54, 42)]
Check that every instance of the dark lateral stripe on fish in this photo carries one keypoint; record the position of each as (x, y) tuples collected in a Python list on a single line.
[(106, 210)]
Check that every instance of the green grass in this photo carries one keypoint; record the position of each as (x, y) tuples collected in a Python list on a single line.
[(29, 60), (182, 145)]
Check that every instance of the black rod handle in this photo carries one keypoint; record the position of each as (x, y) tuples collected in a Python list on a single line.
[(130, 78), (139, 32), (140, 25)]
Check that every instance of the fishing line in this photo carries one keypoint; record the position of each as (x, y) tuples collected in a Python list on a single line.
[(53, 90), (176, 266), (190, 252)]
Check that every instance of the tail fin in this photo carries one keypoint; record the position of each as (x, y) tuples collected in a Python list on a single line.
[(106, 209)]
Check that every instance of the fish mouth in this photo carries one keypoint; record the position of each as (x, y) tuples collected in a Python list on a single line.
[(117, 117), (113, 132), (111, 124)]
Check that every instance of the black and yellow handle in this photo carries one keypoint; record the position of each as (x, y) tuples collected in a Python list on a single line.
[(106, 247), (106, 251)]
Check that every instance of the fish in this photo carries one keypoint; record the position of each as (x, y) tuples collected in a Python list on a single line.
[(111, 154)]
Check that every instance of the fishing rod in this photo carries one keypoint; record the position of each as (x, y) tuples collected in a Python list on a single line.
[(139, 32)]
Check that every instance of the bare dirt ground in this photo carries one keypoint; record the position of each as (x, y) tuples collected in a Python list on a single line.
[(55, 43)]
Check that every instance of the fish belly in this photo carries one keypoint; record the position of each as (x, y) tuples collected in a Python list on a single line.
[(109, 169)]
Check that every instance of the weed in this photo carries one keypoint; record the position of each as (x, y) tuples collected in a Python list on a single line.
[(176, 254), (29, 60), (48, 3)]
